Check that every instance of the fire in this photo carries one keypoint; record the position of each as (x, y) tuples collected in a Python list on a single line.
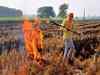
[(32, 38)]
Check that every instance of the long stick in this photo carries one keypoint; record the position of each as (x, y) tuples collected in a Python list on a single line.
[(54, 23)]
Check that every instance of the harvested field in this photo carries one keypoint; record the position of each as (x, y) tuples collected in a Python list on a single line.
[(16, 63)]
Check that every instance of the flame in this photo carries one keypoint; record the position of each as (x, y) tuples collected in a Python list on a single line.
[(32, 39), (27, 24)]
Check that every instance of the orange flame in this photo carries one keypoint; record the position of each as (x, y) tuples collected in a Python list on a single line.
[(31, 37)]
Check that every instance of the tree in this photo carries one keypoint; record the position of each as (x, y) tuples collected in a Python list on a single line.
[(46, 12), (5, 11), (62, 10)]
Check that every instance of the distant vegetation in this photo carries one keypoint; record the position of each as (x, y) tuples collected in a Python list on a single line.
[(46, 12), (11, 14), (5, 11), (63, 10)]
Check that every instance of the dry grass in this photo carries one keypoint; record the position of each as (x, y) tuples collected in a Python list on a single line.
[(16, 64)]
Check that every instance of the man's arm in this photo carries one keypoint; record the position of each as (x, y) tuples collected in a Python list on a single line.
[(64, 28)]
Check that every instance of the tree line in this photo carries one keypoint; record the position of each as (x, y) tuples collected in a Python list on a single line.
[(48, 11)]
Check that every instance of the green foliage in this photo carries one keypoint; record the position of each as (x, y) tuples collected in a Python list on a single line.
[(62, 10), (11, 18), (46, 12)]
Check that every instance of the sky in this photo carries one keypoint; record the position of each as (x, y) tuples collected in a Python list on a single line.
[(30, 7)]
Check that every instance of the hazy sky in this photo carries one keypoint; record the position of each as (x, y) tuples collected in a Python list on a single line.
[(30, 6)]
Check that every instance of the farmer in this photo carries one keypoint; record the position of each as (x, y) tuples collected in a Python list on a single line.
[(67, 36)]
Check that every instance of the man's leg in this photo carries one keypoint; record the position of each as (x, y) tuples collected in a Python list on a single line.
[(71, 50), (66, 48)]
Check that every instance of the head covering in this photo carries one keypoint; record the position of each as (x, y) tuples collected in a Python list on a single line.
[(70, 20), (71, 15)]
